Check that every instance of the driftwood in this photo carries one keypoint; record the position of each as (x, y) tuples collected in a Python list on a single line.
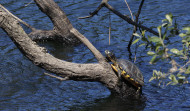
[(63, 30)]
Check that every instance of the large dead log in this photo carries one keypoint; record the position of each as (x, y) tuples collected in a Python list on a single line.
[(100, 72)]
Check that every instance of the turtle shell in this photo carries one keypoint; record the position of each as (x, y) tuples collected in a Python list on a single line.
[(130, 72)]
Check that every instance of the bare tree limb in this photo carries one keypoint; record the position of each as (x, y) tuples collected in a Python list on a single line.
[(64, 26), (97, 54), (104, 3), (57, 77), (129, 20)]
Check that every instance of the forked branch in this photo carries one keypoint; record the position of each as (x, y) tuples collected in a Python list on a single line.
[(100, 72), (39, 56), (104, 3)]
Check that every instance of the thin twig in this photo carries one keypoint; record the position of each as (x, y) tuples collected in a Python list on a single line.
[(129, 10), (29, 3), (109, 28), (93, 13), (57, 77), (2, 7), (135, 27)]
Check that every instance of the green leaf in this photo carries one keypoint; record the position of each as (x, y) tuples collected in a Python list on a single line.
[(154, 39), (175, 51), (142, 44), (152, 78), (169, 83), (153, 60), (184, 41), (150, 53), (173, 78), (159, 30), (169, 17), (181, 76), (143, 33), (135, 41), (182, 35), (164, 24), (157, 48), (136, 34), (187, 29)]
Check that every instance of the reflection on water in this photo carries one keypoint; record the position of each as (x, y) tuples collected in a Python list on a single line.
[(113, 103), (23, 86)]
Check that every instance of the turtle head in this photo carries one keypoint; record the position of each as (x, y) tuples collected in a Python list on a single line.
[(110, 56)]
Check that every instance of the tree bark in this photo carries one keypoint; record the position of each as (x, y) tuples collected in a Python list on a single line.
[(62, 26), (100, 72)]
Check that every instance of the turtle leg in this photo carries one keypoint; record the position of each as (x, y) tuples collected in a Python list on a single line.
[(119, 73), (139, 88)]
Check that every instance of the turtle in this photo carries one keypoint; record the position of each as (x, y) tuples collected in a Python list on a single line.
[(126, 69)]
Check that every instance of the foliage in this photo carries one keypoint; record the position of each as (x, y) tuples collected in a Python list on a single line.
[(159, 49)]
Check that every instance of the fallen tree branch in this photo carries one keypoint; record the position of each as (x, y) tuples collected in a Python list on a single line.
[(39, 56), (104, 3), (100, 72)]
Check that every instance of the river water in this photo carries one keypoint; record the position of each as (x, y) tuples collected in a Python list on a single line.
[(23, 86)]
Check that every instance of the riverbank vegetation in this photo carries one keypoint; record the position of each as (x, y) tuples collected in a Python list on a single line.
[(160, 49)]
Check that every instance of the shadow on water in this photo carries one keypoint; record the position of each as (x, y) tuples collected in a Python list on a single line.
[(58, 50), (114, 103)]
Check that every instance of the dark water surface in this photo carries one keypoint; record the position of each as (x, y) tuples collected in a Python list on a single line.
[(23, 86)]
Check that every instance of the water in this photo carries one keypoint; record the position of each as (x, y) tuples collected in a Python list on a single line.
[(23, 86)]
